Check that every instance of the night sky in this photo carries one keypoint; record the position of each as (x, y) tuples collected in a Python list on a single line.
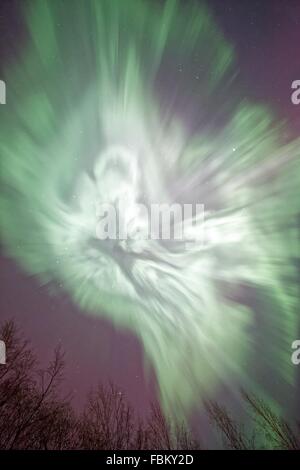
[(266, 36)]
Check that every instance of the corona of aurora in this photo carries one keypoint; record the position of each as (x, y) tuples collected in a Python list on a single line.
[(139, 101)]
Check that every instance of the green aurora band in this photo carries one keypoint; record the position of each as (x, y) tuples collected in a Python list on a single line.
[(138, 99)]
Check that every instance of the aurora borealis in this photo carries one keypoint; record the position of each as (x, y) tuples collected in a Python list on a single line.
[(95, 114)]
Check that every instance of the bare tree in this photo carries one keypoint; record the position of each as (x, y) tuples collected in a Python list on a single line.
[(167, 434), (20, 361), (233, 434), (34, 414), (31, 412), (269, 431), (278, 433), (108, 422)]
